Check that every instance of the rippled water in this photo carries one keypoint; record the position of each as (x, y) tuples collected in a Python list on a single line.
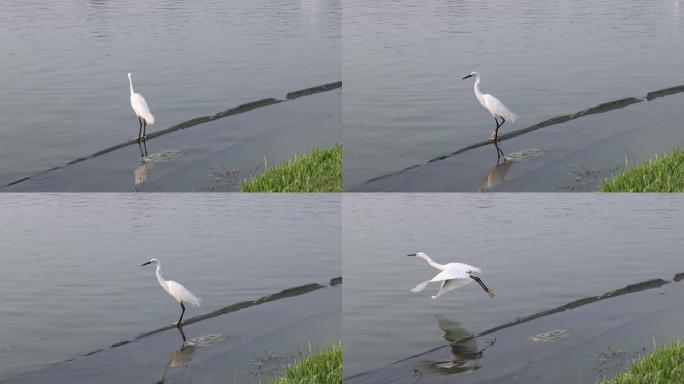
[(70, 275), (537, 251), (405, 102), (63, 67)]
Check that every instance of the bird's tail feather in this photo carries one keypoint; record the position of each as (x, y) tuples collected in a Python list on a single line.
[(420, 286), (513, 117), (196, 301), (149, 119)]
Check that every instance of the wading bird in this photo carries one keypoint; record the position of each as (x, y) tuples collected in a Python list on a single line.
[(452, 276), (142, 111), (493, 106), (179, 292)]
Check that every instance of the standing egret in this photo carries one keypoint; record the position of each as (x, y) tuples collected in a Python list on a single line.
[(142, 111), (493, 105), (452, 276), (179, 292)]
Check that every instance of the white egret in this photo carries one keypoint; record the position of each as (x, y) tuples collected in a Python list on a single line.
[(142, 111), (452, 276), (493, 105), (179, 292)]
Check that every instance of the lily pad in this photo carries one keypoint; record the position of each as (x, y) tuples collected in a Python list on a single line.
[(550, 336)]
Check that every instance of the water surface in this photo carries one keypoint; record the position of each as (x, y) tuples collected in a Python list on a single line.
[(536, 251), (71, 280), (63, 67), (405, 102)]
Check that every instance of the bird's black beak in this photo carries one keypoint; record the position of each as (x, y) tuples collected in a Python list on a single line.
[(144, 264), (465, 77), (411, 254)]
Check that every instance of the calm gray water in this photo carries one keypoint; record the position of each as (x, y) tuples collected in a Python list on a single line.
[(536, 251), (405, 102), (71, 280), (63, 67)]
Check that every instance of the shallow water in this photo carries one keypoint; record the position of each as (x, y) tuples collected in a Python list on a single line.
[(63, 67), (71, 279), (405, 102), (536, 252)]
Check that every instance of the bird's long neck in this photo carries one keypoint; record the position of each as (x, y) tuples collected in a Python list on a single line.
[(476, 87), (160, 278), (432, 263), (130, 83)]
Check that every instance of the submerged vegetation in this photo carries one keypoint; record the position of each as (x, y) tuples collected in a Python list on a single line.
[(664, 173), (664, 366), (324, 367), (320, 170)]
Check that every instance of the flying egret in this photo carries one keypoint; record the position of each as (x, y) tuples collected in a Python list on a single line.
[(179, 292), (493, 105), (452, 276), (142, 111)]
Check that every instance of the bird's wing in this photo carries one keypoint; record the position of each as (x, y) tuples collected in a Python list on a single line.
[(140, 108), (181, 293), (450, 285), (496, 107), (420, 286), (454, 271)]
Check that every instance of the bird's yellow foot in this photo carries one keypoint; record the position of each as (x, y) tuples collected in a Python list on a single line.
[(490, 292), (177, 323), (492, 136)]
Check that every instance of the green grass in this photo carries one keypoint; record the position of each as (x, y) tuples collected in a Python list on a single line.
[(664, 366), (324, 367), (664, 173), (320, 170)]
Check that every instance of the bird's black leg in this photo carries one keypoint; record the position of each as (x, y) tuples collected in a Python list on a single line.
[(479, 281), (144, 129), (497, 128), (499, 152), (139, 130), (181, 316), (496, 132), (180, 329)]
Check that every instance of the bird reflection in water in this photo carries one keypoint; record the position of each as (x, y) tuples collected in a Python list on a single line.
[(497, 174), (463, 347), (180, 357), (140, 172)]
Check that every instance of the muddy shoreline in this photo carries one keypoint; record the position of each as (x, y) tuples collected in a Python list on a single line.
[(603, 333), (255, 338)]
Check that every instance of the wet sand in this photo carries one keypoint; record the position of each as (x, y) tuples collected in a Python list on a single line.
[(253, 342), (605, 333), (577, 151), (215, 154)]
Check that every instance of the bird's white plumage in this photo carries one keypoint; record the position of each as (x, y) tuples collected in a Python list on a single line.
[(139, 104), (175, 289), (180, 293), (493, 105), (497, 109), (452, 275), (449, 285), (456, 271)]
